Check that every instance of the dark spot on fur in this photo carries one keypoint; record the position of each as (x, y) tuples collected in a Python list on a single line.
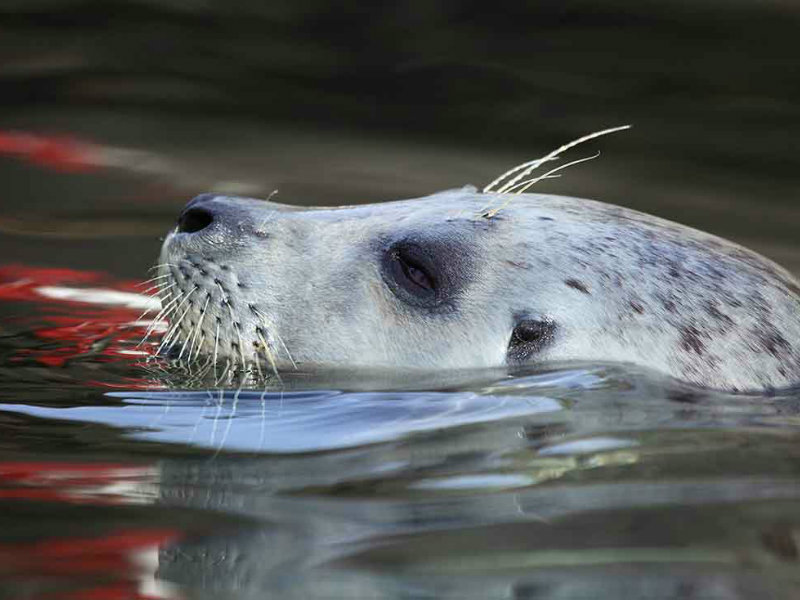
[(690, 340), (733, 302), (773, 342), (674, 270), (577, 285), (546, 219), (517, 264), (637, 307), (714, 312)]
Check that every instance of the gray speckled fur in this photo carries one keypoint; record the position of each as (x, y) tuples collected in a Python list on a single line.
[(620, 285)]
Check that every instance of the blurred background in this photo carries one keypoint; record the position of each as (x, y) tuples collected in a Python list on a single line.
[(114, 113)]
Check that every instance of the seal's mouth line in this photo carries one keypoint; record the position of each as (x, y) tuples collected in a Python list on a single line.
[(194, 334)]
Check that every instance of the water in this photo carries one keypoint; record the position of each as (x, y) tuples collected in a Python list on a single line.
[(121, 478), (578, 481)]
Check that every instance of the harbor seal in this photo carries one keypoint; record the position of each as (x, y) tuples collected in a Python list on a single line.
[(426, 283), (443, 282)]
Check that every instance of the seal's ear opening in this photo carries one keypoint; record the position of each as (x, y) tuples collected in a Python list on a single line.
[(528, 338)]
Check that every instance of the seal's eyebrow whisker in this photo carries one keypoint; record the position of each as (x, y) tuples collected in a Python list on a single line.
[(529, 166), (524, 185), (523, 170)]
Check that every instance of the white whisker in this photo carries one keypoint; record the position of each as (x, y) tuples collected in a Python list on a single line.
[(165, 311), (524, 185), (196, 332), (216, 347), (269, 327), (177, 324), (523, 170), (152, 279)]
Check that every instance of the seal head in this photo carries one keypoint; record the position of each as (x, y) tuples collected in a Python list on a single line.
[(434, 283)]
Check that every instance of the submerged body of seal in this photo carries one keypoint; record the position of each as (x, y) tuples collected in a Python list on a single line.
[(434, 283)]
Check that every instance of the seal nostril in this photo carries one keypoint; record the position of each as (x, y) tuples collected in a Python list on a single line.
[(194, 220)]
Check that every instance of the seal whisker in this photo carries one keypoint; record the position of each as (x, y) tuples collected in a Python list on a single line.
[(268, 354), (216, 348), (270, 328), (177, 325), (152, 279), (163, 314), (154, 267), (149, 310), (525, 169), (234, 407), (224, 372), (204, 368), (157, 289), (263, 419), (257, 364), (173, 326), (197, 330), (529, 182), (238, 330), (217, 415), (524, 185)]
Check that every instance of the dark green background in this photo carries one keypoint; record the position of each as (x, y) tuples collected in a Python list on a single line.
[(356, 102)]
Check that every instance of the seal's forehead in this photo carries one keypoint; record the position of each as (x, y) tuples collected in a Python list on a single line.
[(442, 206)]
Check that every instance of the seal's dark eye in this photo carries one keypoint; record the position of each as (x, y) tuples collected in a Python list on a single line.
[(412, 272)]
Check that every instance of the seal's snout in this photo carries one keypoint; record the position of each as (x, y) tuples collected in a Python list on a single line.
[(210, 214)]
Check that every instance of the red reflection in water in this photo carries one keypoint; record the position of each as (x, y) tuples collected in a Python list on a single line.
[(120, 563), (61, 153), (84, 315), (77, 482)]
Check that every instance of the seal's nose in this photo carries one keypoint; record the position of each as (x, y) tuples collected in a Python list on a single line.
[(194, 219), (197, 214)]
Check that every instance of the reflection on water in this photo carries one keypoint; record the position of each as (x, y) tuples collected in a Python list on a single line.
[(579, 481)]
